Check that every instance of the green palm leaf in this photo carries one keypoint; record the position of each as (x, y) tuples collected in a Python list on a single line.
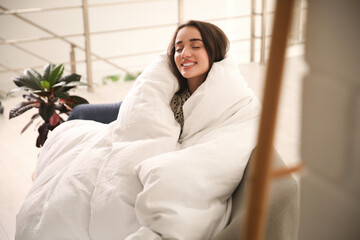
[(61, 95), (55, 75), (45, 85), (34, 76), (71, 78), (64, 87), (26, 81), (47, 71)]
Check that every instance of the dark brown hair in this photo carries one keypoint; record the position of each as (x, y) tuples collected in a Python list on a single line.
[(215, 41)]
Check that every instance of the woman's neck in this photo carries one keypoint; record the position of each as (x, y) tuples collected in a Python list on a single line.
[(195, 82)]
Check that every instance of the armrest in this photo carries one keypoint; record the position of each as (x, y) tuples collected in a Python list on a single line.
[(283, 212), (104, 113)]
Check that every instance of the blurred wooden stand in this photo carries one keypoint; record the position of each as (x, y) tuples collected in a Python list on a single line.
[(261, 168)]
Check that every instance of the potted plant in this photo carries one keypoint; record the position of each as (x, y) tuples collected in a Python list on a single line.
[(49, 94)]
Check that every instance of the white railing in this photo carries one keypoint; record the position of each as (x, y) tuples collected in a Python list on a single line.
[(297, 36)]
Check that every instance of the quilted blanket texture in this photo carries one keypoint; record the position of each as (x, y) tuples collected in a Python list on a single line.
[(135, 178)]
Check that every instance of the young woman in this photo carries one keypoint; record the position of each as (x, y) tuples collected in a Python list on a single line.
[(150, 175), (195, 46)]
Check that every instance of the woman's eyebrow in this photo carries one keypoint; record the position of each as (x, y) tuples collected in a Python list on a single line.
[(195, 39), (191, 40)]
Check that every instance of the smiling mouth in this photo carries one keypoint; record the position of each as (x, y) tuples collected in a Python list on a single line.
[(188, 64)]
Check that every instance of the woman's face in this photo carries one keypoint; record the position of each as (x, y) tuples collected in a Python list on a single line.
[(190, 56)]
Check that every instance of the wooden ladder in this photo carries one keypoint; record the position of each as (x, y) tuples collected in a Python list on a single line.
[(261, 172)]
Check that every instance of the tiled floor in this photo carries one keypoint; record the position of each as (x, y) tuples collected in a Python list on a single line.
[(18, 153)]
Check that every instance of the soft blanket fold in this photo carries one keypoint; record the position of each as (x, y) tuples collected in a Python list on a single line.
[(134, 178)]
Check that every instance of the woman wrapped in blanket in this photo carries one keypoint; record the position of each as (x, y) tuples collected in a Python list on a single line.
[(194, 48), (166, 168)]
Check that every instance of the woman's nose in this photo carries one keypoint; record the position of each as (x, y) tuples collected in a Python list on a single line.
[(186, 53)]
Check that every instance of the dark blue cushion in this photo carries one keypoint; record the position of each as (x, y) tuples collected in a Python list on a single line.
[(104, 113)]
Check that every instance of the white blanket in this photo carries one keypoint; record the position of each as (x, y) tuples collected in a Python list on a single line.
[(134, 178)]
